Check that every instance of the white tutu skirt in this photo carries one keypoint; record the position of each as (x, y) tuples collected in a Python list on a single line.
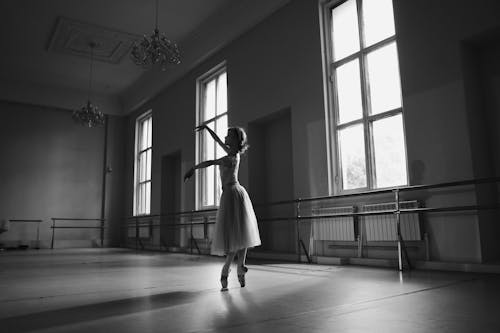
[(236, 225)]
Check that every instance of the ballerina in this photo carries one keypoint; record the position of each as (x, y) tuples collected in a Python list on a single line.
[(236, 227)]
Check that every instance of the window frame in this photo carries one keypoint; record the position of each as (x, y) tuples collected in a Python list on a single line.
[(137, 154), (201, 82), (335, 181)]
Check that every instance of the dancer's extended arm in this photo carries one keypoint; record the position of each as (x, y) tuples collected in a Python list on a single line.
[(201, 165)]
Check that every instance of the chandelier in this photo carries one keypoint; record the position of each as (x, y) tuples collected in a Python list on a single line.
[(155, 49), (89, 115)]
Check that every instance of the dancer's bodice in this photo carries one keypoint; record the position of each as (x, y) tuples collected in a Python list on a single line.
[(229, 170)]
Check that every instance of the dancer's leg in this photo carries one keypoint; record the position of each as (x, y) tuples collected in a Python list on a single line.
[(227, 263), (242, 256), (225, 270)]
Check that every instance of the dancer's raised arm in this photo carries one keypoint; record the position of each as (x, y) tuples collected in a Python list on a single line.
[(214, 135)]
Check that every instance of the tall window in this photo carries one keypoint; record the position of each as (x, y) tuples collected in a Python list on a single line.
[(212, 111), (143, 154), (365, 120)]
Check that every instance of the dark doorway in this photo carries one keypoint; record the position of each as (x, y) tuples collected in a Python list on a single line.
[(482, 87), (271, 178), (170, 198)]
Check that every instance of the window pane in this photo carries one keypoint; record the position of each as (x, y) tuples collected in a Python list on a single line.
[(144, 128), (349, 92), (378, 20), (221, 130), (218, 186), (142, 167), (141, 198), (144, 198), (143, 140), (203, 186), (383, 76), (390, 155), (150, 132), (222, 93), (144, 136), (208, 144), (148, 164), (209, 186), (345, 32), (147, 208), (138, 199), (209, 107), (352, 156)]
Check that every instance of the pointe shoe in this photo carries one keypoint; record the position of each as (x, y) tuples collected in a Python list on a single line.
[(241, 277), (223, 281)]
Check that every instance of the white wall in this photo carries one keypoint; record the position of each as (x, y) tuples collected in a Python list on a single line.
[(53, 167)]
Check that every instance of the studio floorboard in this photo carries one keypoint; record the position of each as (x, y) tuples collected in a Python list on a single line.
[(119, 290)]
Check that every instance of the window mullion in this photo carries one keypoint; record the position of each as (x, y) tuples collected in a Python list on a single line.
[(143, 151), (349, 124), (379, 44), (215, 156), (385, 114), (347, 59), (338, 181), (215, 185), (332, 123), (361, 28), (216, 95), (365, 98)]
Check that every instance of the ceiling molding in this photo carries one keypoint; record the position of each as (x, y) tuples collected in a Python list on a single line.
[(74, 38)]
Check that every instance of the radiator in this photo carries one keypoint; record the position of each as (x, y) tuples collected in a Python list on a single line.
[(200, 230), (384, 227), (333, 228)]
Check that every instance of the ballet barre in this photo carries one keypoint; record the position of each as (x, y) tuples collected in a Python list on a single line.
[(65, 219), (299, 213), (402, 254), (154, 220)]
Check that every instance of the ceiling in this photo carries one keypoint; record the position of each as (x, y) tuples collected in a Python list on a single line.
[(35, 68)]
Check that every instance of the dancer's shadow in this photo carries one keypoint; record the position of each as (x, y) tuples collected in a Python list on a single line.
[(237, 305), (90, 312)]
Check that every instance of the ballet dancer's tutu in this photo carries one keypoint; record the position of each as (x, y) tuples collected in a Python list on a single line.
[(236, 225)]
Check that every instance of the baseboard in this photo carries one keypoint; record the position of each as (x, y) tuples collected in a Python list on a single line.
[(273, 255), (457, 267)]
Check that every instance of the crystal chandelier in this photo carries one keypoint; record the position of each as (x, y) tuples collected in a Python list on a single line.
[(155, 49), (89, 115)]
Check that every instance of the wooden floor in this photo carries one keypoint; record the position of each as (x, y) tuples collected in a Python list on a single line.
[(118, 290)]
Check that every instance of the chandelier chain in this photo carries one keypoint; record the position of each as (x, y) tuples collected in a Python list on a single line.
[(92, 45), (156, 22), (89, 115)]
